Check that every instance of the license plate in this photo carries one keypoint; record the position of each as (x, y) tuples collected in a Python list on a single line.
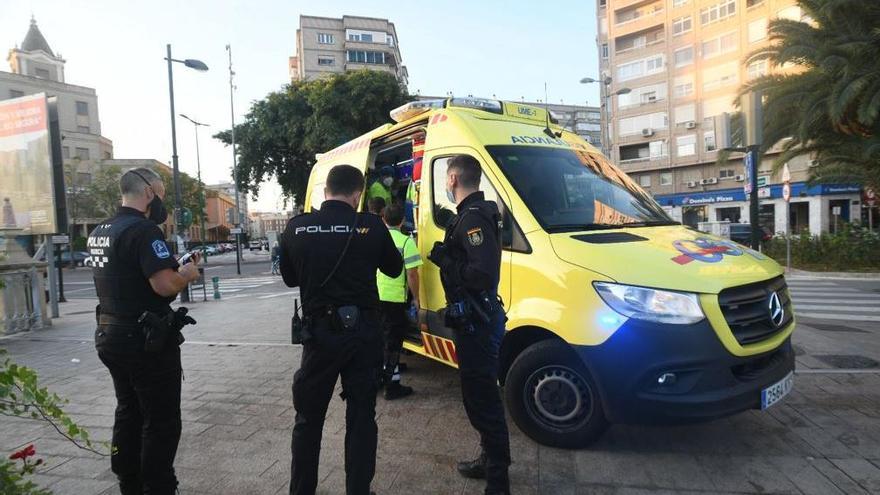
[(774, 393)]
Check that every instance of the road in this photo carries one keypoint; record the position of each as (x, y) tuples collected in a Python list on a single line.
[(256, 278)]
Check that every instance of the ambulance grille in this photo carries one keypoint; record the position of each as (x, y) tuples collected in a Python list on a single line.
[(747, 309)]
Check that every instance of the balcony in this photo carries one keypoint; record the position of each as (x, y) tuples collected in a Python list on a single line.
[(634, 20), (639, 41)]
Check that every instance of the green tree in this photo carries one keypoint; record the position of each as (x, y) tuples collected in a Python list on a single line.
[(103, 191), (829, 106), (189, 193), (282, 133)]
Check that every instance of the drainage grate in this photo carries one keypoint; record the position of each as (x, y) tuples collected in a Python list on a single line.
[(847, 361), (835, 328)]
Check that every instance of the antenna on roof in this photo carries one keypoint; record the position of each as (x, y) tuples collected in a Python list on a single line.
[(547, 130)]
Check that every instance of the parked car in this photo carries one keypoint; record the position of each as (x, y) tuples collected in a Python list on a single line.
[(255, 245), (742, 233), (212, 250)]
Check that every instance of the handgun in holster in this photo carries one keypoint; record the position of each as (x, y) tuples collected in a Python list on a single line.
[(299, 326), (159, 330)]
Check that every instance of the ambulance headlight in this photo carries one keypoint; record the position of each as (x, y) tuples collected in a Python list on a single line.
[(642, 303)]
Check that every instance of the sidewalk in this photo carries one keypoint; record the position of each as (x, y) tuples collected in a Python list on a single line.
[(824, 438)]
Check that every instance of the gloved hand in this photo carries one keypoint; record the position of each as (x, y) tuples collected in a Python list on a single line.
[(440, 255)]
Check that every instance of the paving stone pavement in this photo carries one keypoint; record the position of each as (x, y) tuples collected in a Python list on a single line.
[(237, 416)]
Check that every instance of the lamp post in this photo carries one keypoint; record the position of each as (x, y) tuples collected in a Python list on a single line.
[(202, 201), (234, 167), (199, 66), (606, 107)]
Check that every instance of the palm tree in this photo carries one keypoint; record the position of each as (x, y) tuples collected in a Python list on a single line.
[(829, 105)]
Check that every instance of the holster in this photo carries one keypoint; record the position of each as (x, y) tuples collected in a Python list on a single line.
[(157, 330)]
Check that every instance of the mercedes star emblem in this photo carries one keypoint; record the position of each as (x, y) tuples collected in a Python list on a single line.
[(777, 312)]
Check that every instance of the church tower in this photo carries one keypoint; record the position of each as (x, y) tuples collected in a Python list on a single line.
[(35, 58)]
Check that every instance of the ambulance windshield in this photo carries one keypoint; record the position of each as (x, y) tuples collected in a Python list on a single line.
[(569, 190)]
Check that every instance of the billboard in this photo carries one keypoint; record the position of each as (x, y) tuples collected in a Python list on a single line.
[(26, 181)]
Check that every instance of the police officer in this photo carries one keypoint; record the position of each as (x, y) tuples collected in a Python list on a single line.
[(470, 262), (136, 278), (332, 256)]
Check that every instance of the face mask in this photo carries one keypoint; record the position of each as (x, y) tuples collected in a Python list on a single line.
[(450, 196), (158, 212), (388, 181)]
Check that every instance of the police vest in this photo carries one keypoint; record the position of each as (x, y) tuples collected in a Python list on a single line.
[(122, 289)]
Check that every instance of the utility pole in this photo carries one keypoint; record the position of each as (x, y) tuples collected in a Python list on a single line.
[(202, 201), (234, 166), (753, 111)]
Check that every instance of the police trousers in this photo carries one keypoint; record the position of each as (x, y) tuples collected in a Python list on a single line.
[(478, 366), (395, 325), (328, 353), (146, 428)]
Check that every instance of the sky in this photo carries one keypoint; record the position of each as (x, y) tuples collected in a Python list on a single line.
[(506, 48)]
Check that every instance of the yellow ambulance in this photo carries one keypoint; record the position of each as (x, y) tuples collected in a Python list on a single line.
[(616, 313)]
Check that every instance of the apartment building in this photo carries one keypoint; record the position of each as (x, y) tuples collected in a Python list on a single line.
[(682, 62), (326, 45), (585, 121)]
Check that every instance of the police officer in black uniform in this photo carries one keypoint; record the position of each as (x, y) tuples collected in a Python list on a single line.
[(332, 256), (470, 263), (137, 336)]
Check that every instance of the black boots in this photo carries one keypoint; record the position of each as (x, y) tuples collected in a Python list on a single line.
[(395, 390), (475, 469), (479, 468)]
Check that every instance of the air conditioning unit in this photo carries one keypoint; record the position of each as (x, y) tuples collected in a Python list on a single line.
[(709, 181), (647, 132), (692, 183), (652, 99), (740, 178), (690, 125)]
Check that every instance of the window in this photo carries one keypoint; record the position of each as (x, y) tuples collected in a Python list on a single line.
[(717, 106), (14, 93), (753, 3), (602, 3), (604, 50), (82, 108), (326, 38), (722, 44), (326, 61), (593, 115), (657, 149), (757, 69), (635, 125), (709, 140), (42, 73), (589, 126), (685, 113), (681, 25), (82, 129), (686, 145), (82, 153), (757, 30), (717, 12), (643, 95), (726, 173), (683, 56), (65, 152), (639, 68), (648, 97), (684, 86), (364, 57), (511, 237), (679, 3), (720, 76), (665, 178), (645, 180)]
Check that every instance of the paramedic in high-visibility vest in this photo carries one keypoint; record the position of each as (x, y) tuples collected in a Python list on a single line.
[(392, 297), (381, 187)]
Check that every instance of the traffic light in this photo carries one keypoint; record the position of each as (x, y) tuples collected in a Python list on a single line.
[(184, 218)]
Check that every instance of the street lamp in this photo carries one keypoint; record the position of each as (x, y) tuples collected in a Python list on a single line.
[(199, 66), (234, 166), (202, 201), (606, 106)]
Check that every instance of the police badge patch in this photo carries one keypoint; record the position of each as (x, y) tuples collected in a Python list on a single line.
[(161, 249), (475, 236)]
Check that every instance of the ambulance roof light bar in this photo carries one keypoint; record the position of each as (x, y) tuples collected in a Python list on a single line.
[(413, 108), (484, 104)]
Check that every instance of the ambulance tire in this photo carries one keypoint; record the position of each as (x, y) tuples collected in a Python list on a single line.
[(552, 398)]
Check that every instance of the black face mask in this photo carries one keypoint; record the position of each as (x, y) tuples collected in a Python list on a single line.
[(158, 212)]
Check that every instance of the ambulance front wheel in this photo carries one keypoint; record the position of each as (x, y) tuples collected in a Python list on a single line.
[(552, 398)]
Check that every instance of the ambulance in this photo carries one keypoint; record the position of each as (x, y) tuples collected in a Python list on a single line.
[(615, 312)]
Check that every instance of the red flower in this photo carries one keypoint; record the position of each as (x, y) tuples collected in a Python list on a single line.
[(24, 453)]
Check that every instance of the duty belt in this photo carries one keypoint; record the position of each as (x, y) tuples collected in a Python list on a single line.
[(107, 319)]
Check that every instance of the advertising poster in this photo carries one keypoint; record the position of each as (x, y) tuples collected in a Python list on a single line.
[(28, 201)]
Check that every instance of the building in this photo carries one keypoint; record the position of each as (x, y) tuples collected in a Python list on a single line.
[(220, 209), (228, 188), (326, 45), (36, 68), (683, 62), (582, 120)]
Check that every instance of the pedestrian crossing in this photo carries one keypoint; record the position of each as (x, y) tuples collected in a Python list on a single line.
[(233, 284), (830, 300)]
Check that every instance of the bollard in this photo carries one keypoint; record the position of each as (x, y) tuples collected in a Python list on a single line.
[(216, 282)]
